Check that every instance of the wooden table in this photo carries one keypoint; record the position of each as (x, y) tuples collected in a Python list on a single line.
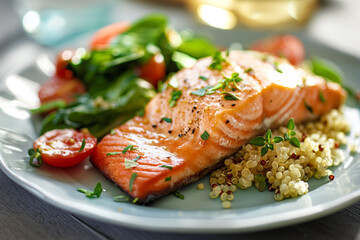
[(24, 216)]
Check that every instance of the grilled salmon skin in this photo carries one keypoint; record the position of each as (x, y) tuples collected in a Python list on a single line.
[(188, 129)]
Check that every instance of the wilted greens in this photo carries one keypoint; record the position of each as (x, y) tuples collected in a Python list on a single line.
[(115, 93)]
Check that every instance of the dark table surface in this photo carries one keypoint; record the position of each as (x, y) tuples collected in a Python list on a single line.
[(24, 216)]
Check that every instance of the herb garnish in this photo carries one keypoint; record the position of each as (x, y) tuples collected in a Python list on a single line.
[(203, 78), (132, 179), (121, 198), (260, 182), (201, 92), (205, 135), (130, 163), (82, 145), (137, 158), (308, 107), (277, 68), (135, 200), (248, 70), (175, 95), (229, 96), (112, 153), (128, 147), (167, 166), (35, 154), (167, 179), (268, 142), (218, 61), (179, 195), (321, 97), (168, 120), (92, 194)]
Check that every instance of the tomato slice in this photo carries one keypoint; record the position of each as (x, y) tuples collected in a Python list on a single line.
[(62, 61), (154, 70), (58, 88), (103, 37), (63, 147), (287, 46)]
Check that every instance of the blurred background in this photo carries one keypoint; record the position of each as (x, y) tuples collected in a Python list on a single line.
[(50, 22)]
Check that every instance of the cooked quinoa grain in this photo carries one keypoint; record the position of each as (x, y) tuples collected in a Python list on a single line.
[(286, 169)]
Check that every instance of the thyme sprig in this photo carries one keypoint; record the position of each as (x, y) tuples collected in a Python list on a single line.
[(268, 141), (217, 63)]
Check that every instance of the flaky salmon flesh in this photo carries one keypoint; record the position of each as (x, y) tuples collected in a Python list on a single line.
[(170, 148)]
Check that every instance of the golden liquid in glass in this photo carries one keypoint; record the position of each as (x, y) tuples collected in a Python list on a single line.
[(261, 14)]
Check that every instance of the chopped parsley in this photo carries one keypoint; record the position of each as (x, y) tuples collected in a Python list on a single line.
[(229, 96), (203, 78), (175, 95), (130, 163), (137, 158), (217, 63), (321, 97), (132, 179), (205, 135), (35, 157), (166, 166), (167, 179), (135, 200), (277, 68), (82, 145), (112, 153), (127, 148), (179, 195), (121, 198), (168, 120), (308, 107), (248, 70), (92, 194)]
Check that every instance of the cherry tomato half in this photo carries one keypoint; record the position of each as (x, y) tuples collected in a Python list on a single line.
[(287, 46), (57, 88), (103, 37), (154, 70), (62, 61), (63, 147)]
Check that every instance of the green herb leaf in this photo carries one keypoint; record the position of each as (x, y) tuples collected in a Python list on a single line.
[(292, 133), (203, 78), (92, 194), (278, 139), (167, 179), (112, 153), (179, 195), (132, 179), (201, 92), (168, 120), (321, 97), (128, 147), (229, 96), (308, 107), (264, 150), (260, 179), (82, 145), (291, 124), (45, 107), (286, 137), (277, 68), (137, 158), (217, 62), (258, 141), (121, 198), (327, 69), (295, 142), (175, 95), (130, 163), (270, 146), (268, 135), (166, 166), (205, 135), (248, 70), (113, 131), (35, 157), (135, 200)]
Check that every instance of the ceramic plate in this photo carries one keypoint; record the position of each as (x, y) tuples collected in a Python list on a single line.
[(251, 210)]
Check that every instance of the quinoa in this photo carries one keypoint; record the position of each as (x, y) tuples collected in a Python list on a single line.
[(286, 169)]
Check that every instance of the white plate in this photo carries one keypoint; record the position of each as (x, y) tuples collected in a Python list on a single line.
[(250, 210)]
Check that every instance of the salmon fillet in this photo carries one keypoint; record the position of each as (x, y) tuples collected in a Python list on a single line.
[(173, 154)]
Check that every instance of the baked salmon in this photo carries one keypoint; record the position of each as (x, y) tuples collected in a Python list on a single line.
[(205, 115)]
